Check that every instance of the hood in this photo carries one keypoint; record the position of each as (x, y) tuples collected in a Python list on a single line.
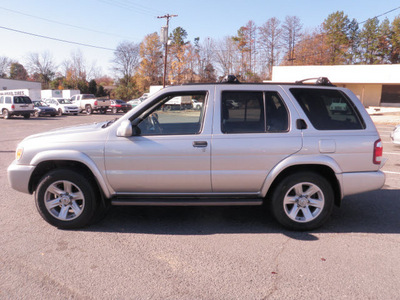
[(60, 133)]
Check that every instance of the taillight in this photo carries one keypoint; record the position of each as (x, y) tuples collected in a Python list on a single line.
[(13, 106), (95, 102), (378, 152)]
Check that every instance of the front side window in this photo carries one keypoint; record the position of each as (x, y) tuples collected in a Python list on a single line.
[(253, 112), (328, 109), (175, 114)]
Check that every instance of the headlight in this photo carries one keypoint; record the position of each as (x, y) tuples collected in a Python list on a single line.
[(18, 153)]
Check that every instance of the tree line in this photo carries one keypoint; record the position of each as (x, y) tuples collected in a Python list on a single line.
[(250, 54)]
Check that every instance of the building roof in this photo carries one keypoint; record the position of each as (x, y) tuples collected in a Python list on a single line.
[(372, 74)]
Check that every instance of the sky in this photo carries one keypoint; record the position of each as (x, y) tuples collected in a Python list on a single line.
[(106, 23)]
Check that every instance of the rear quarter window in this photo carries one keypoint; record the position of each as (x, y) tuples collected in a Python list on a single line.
[(328, 109)]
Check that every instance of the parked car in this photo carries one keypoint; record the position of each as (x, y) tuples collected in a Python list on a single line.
[(120, 106), (135, 102), (63, 106), (42, 109), (12, 105), (395, 135), (197, 105), (280, 146)]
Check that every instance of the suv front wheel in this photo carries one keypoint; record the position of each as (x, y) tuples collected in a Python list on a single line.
[(65, 199), (302, 201)]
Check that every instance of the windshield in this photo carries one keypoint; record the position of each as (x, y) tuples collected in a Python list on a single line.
[(64, 101)]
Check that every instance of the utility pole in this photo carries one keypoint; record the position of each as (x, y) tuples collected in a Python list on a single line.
[(165, 41)]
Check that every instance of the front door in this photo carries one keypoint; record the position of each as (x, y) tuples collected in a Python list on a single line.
[(171, 155)]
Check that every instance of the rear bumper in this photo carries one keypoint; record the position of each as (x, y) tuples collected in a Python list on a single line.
[(360, 182), (20, 112), (19, 176)]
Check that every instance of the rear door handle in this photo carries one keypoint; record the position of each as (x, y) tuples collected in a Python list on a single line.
[(200, 144)]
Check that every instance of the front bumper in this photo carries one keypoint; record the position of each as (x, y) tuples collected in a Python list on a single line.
[(19, 176)]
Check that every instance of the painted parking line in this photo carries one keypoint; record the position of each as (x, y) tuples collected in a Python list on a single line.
[(390, 172)]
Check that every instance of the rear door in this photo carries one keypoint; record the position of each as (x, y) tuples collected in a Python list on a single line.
[(253, 130)]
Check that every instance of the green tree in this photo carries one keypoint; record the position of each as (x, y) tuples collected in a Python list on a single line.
[(18, 72), (336, 28), (369, 41), (395, 41), (92, 87)]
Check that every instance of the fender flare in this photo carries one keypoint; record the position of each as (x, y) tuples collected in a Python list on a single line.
[(72, 155), (299, 160)]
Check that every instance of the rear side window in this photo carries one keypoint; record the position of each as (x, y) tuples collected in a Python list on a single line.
[(8, 100), (253, 112), (328, 109)]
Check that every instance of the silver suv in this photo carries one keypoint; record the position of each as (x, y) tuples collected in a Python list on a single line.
[(280, 144)]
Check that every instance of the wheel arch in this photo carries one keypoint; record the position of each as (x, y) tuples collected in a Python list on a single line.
[(76, 161), (323, 170)]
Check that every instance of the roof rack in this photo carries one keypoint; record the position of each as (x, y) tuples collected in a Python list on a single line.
[(230, 79), (323, 81)]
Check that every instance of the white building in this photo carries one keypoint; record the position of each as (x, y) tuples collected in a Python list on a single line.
[(374, 85), (12, 84)]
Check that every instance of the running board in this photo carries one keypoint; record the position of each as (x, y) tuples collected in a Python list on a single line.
[(183, 201)]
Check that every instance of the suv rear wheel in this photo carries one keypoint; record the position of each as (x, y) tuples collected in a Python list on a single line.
[(6, 114), (66, 199), (302, 201)]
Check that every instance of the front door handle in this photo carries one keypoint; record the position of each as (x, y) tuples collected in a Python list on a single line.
[(200, 144)]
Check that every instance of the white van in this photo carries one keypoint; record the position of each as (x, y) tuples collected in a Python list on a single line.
[(16, 106)]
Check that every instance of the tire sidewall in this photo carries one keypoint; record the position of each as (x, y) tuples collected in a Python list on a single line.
[(282, 189), (84, 185)]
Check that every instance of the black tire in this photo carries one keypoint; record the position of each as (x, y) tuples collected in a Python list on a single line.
[(27, 116), (88, 109), (302, 201), (6, 114), (103, 111), (55, 201)]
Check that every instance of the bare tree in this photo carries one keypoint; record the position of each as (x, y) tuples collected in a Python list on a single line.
[(270, 41), (225, 55), (5, 64), (126, 59), (291, 35), (42, 67)]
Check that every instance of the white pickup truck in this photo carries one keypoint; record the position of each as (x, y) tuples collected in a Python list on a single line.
[(89, 103)]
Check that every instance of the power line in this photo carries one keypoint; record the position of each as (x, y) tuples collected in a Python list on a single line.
[(385, 13), (61, 23), (56, 39), (138, 8)]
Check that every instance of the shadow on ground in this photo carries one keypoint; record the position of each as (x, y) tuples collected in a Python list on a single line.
[(372, 212)]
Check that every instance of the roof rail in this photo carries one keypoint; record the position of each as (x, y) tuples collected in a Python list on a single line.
[(323, 81)]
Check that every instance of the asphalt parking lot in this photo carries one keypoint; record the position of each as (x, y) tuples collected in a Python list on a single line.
[(198, 252)]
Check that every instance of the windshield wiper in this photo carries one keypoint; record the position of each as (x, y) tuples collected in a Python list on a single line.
[(109, 123)]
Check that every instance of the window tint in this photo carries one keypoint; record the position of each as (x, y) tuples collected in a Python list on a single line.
[(8, 100), (175, 114), (242, 112), (253, 112), (328, 109), (276, 112)]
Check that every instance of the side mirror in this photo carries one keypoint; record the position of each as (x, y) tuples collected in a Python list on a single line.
[(125, 129)]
